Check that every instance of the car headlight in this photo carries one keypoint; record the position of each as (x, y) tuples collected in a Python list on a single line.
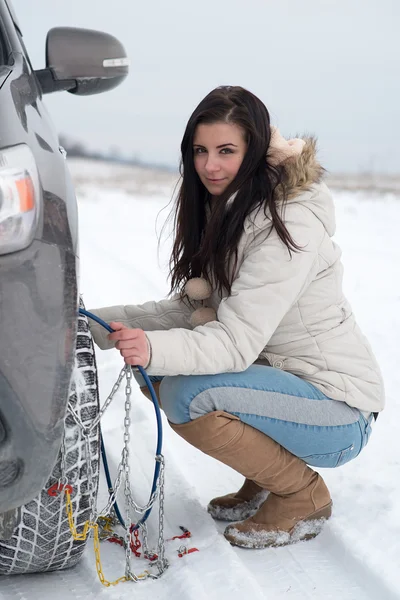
[(19, 198)]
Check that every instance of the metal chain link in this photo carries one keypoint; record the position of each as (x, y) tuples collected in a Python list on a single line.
[(87, 431), (151, 502), (123, 468), (103, 409), (108, 400), (124, 471), (89, 470), (145, 542), (162, 562), (63, 480)]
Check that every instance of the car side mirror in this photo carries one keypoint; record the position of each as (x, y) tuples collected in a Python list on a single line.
[(82, 61)]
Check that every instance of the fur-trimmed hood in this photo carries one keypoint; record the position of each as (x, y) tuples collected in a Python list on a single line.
[(302, 182), (301, 171)]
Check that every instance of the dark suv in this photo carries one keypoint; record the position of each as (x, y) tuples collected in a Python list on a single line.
[(39, 249)]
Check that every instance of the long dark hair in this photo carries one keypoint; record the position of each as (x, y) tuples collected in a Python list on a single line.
[(206, 246)]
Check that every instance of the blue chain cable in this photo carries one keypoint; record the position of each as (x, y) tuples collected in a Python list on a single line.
[(157, 467)]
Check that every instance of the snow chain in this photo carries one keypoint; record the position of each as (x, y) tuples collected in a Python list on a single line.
[(105, 519)]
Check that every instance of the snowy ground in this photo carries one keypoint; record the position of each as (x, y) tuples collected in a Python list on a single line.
[(357, 555)]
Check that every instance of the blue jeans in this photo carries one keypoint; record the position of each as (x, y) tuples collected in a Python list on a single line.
[(321, 431)]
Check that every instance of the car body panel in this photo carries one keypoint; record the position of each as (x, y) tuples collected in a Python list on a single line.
[(38, 292)]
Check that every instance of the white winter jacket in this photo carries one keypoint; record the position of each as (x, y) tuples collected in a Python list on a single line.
[(290, 311)]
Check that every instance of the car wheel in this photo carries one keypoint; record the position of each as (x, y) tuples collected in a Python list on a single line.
[(42, 541)]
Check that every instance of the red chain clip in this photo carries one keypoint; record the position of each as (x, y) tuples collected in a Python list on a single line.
[(59, 487), (135, 545), (186, 534), (116, 540), (183, 551), (151, 556)]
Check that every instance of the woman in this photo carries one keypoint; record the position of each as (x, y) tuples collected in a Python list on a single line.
[(260, 360)]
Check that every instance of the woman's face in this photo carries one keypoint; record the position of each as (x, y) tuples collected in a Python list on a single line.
[(218, 151)]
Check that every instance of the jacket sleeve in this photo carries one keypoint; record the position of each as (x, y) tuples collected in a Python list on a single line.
[(268, 283), (163, 315)]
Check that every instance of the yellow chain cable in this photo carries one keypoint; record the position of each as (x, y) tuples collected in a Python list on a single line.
[(81, 537), (105, 524)]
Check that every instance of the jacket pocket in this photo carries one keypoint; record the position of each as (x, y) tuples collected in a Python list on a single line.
[(342, 328)]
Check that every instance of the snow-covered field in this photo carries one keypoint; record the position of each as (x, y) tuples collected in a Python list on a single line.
[(357, 556)]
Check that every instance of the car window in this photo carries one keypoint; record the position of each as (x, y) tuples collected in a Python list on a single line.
[(13, 15), (3, 47), (4, 54)]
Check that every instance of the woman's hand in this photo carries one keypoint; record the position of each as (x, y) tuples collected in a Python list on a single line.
[(133, 344)]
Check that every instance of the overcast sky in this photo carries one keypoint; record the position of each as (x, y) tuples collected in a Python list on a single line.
[(329, 67)]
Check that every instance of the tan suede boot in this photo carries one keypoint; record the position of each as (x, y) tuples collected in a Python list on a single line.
[(239, 505), (145, 390), (299, 500)]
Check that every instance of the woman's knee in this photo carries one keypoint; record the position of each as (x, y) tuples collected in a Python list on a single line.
[(174, 400)]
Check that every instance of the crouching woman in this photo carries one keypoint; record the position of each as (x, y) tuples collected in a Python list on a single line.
[(257, 356)]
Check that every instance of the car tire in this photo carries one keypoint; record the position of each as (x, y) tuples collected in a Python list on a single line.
[(42, 541)]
